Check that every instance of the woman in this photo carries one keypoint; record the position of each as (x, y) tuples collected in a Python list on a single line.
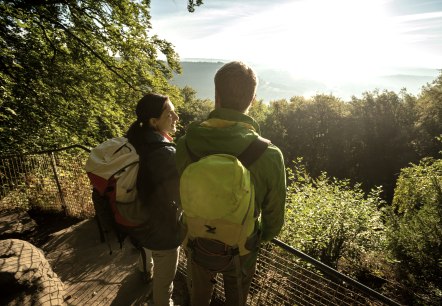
[(157, 206)]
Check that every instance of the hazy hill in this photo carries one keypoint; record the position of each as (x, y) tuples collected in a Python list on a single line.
[(199, 76), (278, 84)]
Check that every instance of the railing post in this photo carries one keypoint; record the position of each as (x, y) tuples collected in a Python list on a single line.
[(60, 191)]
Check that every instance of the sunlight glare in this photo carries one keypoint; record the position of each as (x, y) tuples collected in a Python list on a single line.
[(332, 40)]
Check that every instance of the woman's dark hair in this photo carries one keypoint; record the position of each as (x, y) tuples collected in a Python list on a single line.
[(149, 106)]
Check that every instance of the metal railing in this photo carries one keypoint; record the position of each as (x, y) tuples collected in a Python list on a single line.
[(55, 180)]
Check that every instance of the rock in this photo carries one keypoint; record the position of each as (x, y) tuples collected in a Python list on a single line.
[(26, 278), (15, 224)]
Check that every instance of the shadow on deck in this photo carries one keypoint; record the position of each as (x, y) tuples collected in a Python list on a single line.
[(93, 276)]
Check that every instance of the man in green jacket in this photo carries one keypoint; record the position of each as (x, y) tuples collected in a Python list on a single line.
[(229, 130)]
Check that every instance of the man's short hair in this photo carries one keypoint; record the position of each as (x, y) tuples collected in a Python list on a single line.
[(235, 85)]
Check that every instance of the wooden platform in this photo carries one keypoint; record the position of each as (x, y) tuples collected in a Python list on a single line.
[(93, 276)]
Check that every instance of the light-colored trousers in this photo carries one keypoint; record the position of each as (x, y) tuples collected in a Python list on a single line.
[(163, 266)]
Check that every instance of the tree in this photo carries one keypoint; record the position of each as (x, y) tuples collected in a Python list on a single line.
[(414, 227), (429, 121), (313, 129), (273, 127), (71, 71), (319, 120), (192, 3), (258, 111), (192, 109), (383, 135)]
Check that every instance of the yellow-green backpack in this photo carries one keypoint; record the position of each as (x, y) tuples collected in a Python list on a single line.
[(218, 196)]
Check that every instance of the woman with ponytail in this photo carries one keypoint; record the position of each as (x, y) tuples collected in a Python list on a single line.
[(157, 211)]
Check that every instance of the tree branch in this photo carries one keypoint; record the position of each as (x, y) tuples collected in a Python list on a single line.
[(54, 48), (84, 44)]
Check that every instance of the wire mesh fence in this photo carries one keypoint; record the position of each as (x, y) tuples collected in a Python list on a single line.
[(283, 278), (48, 181), (56, 181)]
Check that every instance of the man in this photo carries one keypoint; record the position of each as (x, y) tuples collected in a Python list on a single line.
[(229, 130)]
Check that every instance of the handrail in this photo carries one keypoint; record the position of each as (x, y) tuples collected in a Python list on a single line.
[(334, 273), (48, 151)]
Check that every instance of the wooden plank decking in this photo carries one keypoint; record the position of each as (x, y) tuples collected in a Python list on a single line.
[(92, 276)]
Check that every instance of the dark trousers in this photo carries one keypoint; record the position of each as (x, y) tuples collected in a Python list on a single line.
[(201, 281)]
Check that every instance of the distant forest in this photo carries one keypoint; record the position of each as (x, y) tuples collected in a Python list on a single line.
[(368, 140)]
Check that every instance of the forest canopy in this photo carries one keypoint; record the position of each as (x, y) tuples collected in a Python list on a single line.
[(71, 70)]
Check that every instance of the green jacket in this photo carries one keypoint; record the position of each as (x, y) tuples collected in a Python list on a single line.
[(234, 132)]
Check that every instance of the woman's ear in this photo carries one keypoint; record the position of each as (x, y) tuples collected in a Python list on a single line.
[(153, 122)]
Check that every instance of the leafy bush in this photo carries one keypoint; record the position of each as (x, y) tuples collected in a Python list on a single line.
[(414, 229), (328, 218)]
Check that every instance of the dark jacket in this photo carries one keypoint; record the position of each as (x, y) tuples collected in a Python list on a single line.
[(157, 208)]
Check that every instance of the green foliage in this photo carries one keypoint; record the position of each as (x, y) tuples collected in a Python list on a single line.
[(316, 129), (429, 116), (383, 128), (328, 218), (258, 111), (274, 125), (192, 109), (415, 224), (367, 140), (192, 3), (72, 71)]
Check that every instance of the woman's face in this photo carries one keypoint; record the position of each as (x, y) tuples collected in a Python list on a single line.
[(166, 123)]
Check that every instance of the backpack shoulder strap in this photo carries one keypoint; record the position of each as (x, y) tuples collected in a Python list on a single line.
[(253, 151), (248, 156)]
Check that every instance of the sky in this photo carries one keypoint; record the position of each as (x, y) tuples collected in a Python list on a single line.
[(326, 40)]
